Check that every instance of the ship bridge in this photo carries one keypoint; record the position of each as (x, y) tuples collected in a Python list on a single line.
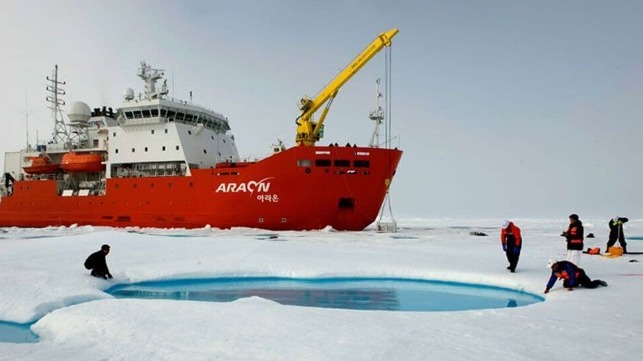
[(154, 135)]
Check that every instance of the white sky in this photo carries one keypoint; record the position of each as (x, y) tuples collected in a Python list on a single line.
[(42, 278), (503, 108)]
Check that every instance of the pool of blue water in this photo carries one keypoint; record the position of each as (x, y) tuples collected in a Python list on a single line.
[(16, 332), (392, 294)]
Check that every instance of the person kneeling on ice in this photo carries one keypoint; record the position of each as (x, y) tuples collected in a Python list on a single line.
[(97, 263), (571, 275)]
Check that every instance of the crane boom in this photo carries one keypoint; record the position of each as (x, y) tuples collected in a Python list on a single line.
[(308, 130)]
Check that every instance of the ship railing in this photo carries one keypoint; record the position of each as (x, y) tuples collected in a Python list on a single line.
[(39, 177)]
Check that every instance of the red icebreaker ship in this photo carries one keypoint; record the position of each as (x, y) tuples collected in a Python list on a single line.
[(160, 162)]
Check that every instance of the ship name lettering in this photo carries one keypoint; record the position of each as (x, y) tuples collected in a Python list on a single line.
[(245, 187)]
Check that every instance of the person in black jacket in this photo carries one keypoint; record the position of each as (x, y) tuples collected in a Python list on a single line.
[(616, 233), (97, 263), (575, 237)]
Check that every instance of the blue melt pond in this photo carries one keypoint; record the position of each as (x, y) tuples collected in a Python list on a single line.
[(17, 332), (391, 294)]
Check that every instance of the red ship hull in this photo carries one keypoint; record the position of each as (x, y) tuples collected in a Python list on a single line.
[(302, 188)]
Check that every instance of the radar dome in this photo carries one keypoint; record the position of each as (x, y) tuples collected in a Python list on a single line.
[(79, 113), (128, 94)]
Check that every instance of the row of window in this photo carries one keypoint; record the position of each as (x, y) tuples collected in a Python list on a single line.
[(337, 163), (114, 133), (135, 185), (146, 149), (205, 151), (181, 117), (152, 132)]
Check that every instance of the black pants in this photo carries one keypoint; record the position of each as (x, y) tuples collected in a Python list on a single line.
[(583, 280), (511, 256), (99, 274)]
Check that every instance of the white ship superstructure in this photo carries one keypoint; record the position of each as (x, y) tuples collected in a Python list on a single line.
[(154, 135)]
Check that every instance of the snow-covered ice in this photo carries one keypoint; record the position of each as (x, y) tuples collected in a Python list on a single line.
[(42, 278)]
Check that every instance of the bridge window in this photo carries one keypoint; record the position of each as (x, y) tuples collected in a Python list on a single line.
[(304, 163), (361, 164), (155, 112), (146, 113), (322, 162), (342, 163)]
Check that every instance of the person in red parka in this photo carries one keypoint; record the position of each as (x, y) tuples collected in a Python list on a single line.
[(511, 243)]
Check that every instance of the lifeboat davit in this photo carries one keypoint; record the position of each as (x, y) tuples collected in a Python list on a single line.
[(40, 165), (82, 163)]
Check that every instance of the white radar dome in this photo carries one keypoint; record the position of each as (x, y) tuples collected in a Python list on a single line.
[(128, 94), (79, 113)]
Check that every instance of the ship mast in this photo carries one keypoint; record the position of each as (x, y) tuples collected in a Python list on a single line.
[(28, 148), (376, 115), (60, 134), (151, 76), (386, 222)]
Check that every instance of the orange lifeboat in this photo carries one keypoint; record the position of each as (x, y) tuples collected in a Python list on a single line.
[(82, 163), (40, 165)]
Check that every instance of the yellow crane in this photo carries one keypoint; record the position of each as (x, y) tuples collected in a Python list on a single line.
[(309, 130)]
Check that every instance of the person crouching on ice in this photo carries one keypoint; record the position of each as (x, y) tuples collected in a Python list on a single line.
[(571, 275), (98, 264)]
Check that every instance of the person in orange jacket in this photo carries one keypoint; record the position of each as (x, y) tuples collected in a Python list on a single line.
[(575, 236), (511, 243)]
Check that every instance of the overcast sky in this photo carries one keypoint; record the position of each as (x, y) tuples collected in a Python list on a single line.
[(503, 108)]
